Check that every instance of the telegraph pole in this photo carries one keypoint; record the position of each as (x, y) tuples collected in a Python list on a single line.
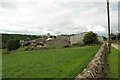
[(108, 14)]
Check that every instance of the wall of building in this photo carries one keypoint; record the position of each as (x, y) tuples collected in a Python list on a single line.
[(97, 68), (77, 39), (100, 38)]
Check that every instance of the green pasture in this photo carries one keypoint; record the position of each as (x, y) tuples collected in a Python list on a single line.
[(54, 63)]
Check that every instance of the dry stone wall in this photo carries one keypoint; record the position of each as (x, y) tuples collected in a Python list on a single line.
[(97, 68)]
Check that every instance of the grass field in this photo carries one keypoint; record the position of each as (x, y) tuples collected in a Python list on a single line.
[(55, 63), (113, 63)]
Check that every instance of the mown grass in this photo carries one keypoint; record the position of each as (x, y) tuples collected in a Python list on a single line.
[(113, 63), (55, 63)]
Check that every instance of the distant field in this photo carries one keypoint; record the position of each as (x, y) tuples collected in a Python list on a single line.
[(113, 63), (56, 63)]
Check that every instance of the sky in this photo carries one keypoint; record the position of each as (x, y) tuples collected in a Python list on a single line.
[(39, 17)]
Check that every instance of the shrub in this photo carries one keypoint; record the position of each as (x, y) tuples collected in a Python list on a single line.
[(66, 46), (4, 51), (26, 49), (90, 38), (13, 45)]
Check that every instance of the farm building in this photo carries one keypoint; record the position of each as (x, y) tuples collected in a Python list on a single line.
[(38, 42), (34, 43), (78, 38), (100, 38), (58, 42)]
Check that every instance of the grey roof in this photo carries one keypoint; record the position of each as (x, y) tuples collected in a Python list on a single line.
[(38, 40)]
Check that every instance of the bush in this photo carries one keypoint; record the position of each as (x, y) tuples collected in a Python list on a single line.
[(66, 46), (90, 38), (4, 51), (13, 45)]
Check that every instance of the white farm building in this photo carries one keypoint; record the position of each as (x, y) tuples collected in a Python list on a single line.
[(78, 38)]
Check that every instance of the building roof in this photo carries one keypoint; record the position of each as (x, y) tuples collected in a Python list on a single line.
[(38, 40), (112, 35)]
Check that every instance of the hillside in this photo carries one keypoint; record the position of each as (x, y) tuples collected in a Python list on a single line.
[(7, 37)]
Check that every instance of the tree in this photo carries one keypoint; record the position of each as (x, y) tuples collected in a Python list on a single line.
[(90, 38), (13, 44), (51, 36), (54, 36), (7, 37)]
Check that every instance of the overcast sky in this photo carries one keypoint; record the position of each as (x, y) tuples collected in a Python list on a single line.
[(56, 16)]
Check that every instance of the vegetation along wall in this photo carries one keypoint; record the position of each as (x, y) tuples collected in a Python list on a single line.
[(97, 68)]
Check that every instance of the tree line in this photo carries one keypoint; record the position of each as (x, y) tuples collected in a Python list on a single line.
[(7, 38)]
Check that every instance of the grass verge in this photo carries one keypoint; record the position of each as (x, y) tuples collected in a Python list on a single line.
[(113, 63)]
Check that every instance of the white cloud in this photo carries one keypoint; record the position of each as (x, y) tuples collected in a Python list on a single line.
[(53, 16), (96, 28)]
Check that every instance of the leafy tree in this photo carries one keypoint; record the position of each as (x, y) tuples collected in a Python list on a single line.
[(13, 44), (54, 36), (104, 38), (51, 36), (90, 38), (7, 37)]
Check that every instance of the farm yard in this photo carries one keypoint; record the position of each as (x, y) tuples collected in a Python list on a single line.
[(54, 63)]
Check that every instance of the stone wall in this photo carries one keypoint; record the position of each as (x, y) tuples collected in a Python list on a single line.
[(97, 68)]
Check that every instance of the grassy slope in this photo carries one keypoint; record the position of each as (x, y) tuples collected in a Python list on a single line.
[(56, 63), (113, 63)]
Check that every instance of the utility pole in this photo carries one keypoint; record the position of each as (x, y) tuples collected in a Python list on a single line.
[(108, 13)]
